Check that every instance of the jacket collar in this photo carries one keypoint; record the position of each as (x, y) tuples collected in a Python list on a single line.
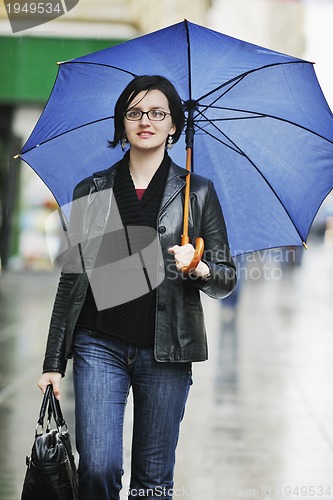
[(104, 179), (175, 182)]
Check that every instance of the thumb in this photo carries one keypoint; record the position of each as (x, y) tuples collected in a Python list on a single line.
[(173, 249)]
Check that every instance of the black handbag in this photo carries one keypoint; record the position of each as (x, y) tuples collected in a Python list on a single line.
[(51, 472)]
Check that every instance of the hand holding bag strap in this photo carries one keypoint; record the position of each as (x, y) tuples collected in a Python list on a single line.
[(43, 407), (56, 410)]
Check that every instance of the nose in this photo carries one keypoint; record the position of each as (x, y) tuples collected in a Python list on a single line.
[(144, 120)]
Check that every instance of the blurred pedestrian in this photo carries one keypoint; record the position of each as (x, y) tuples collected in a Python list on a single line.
[(148, 343)]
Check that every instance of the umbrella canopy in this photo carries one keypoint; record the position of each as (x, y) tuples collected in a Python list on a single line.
[(263, 131)]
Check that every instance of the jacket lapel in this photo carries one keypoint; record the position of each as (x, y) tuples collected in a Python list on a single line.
[(105, 178), (103, 182), (174, 184)]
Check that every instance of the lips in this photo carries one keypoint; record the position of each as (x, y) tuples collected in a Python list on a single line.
[(145, 134)]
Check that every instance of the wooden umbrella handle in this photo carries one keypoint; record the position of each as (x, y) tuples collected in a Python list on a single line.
[(199, 248), (199, 242)]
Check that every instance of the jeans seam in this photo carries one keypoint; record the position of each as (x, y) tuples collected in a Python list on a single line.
[(130, 361)]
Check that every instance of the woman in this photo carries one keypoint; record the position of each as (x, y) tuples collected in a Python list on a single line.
[(147, 343)]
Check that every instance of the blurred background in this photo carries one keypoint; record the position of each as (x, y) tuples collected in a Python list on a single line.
[(28, 69), (259, 419)]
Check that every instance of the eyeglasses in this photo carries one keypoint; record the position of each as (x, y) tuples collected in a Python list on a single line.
[(155, 115)]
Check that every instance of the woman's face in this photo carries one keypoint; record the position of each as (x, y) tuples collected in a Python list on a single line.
[(146, 134)]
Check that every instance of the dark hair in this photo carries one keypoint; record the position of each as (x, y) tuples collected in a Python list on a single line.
[(139, 84)]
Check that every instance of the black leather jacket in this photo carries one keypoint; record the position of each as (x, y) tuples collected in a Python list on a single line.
[(180, 334)]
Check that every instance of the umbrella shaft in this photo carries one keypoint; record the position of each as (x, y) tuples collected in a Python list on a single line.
[(185, 237), (189, 133)]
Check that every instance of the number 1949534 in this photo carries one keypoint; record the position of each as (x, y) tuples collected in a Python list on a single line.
[(35, 8)]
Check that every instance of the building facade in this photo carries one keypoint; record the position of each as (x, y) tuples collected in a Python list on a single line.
[(28, 69)]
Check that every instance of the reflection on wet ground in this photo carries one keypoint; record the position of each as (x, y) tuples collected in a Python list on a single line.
[(258, 422)]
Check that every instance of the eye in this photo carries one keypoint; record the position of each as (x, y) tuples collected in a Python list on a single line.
[(133, 114), (157, 114)]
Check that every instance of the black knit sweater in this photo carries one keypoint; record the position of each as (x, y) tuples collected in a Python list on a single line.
[(133, 321)]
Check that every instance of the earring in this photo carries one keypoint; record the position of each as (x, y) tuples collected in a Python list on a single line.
[(170, 142), (123, 142)]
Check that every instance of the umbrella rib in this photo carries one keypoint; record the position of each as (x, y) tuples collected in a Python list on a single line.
[(211, 106), (66, 132), (229, 119), (256, 114), (239, 78), (236, 148), (101, 64), (188, 60), (236, 81), (242, 153), (259, 115), (297, 125)]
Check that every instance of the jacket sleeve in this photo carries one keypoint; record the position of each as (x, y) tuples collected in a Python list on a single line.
[(55, 357), (54, 360), (216, 255)]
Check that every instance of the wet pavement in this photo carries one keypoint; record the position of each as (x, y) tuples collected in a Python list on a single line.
[(259, 420)]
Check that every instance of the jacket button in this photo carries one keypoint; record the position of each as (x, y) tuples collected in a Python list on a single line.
[(161, 307), (162, 229)]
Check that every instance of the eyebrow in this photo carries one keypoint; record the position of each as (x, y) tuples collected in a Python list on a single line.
[(150, 109)]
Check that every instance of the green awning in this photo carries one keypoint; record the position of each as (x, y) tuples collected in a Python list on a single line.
[(28, 64)]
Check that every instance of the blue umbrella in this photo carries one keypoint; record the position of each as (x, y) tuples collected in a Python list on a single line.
[(257, 120)]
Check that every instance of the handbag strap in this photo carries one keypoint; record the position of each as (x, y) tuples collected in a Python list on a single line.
[(53, 405), (44, 405), (56, 410)]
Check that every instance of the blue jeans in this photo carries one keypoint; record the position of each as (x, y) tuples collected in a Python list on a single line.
[(104, 371)]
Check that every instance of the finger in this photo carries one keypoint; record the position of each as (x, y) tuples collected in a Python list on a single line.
[(42, 387), (56, 389), (50, 379), (42, 384), (174, 249)]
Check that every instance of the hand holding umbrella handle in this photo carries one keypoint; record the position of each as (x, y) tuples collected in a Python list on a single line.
[(199, 248), (199, 242)]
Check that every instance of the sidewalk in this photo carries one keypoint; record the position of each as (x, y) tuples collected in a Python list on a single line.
[(258, 423)]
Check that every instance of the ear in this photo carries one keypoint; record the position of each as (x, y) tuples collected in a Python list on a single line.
[(172, 130)]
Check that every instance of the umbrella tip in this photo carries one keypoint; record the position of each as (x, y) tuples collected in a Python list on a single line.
[(17, 156), (59, 62), (305, 245)]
